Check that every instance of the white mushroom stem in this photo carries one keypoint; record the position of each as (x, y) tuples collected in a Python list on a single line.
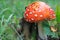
[(26, 32), (41, 31)]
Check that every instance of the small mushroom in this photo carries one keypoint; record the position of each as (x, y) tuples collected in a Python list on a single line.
[(53, 29), (37, 12)]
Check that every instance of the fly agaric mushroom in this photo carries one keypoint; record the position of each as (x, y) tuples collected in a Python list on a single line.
[(38, 11)]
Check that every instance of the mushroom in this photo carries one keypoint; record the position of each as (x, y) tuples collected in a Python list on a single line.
[(37, 12), (53, 29)]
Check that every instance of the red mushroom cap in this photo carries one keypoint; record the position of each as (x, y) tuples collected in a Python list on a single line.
[(38, 11), (52, 14)]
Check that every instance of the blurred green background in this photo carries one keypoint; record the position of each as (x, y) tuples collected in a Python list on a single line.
[(11, 11)]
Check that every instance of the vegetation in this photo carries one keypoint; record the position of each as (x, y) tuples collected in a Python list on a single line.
[(11, 11)]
